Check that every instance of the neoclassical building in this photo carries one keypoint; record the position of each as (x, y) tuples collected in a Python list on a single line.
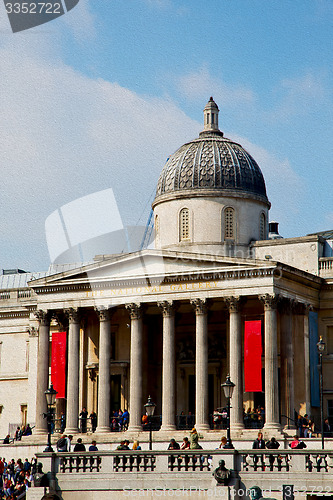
[(171, 322)]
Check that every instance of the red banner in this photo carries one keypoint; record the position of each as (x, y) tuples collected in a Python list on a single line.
[(252, 356), (58, 363)]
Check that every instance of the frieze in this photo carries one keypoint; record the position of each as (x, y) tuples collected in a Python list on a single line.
[(158, 284)]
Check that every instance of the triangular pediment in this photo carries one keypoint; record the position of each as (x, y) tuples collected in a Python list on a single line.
[(150, 265)]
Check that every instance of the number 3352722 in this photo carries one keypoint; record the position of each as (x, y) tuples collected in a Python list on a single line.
[(33, 8)]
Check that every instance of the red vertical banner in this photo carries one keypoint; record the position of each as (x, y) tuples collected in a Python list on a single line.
[(252, 356), (58, 363)]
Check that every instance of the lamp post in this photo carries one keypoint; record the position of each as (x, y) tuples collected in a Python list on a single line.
[(321, 348), (228, 388), (50, 395), (150, 408)]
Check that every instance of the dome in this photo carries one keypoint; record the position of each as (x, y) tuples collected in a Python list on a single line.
[(211, 162)]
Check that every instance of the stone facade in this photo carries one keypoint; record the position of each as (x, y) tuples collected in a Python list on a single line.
[(169, 322)]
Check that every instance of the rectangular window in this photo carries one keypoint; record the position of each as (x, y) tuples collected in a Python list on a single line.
[(24, 412)]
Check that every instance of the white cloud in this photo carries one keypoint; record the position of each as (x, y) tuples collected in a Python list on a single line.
[(300, 95), (64, 136), (285, 189), (200, 84)]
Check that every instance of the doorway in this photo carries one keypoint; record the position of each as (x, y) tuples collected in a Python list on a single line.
[(115, 391)]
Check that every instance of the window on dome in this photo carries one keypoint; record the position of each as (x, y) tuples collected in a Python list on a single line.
[(229, 224), (157, 229), (184, 224), (262, 227)]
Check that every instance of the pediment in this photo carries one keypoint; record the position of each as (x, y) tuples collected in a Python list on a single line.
[(154, 265)]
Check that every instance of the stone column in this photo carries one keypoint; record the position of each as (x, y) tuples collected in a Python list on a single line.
[(307, 308), (287, 364), (201, 365), (104, 356), (136, 368), (169, 367), (42, 370), (72, 409), (271, 363), (235, 362)]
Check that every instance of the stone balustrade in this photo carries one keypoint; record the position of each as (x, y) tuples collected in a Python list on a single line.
[(308, 471)]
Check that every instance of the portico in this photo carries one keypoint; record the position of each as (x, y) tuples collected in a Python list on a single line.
[(179, 350)]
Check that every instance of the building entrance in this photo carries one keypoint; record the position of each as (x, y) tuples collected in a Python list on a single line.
[(115, 386)]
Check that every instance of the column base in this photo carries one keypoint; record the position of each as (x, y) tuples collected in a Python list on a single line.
[(168, 427), (134, 428), (237, 427), (202, 427), (271, 426), (103, 429), (71, 430), (40, 432)]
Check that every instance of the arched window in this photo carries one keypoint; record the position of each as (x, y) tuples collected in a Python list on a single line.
[(157, 229), (229, 224), (184, 224), (262, 227)]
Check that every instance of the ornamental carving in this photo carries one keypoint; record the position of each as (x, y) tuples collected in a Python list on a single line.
[(269, 301), (44, 317), (233, 303), (199, 305), (134, 310), (103, 313), (211, 162), (167, 308), (73, 315)]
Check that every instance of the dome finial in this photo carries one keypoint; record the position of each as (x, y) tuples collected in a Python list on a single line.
[(211, 116)]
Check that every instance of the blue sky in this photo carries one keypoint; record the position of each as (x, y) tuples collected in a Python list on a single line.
[(100, 97)]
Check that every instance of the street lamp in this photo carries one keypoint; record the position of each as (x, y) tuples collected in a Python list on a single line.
[(50, 395), (228, 388), (321, 348), (150, 408)]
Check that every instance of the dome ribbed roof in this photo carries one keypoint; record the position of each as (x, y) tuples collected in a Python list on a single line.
[(211, 162)]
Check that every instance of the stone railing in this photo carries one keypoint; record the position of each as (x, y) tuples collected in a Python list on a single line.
[(106, 473), (326, 267)]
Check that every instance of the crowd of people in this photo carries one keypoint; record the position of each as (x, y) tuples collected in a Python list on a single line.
[(16, 477)]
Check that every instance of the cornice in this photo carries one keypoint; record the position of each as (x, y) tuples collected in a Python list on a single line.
[(149, 280), (14, 314)]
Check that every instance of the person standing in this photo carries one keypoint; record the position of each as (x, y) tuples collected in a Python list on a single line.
[(194, 440), (259, 443), (93, 420), (79, 445), (84, 416)]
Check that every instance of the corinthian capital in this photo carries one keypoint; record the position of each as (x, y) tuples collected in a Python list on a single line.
[(103, 313), (233, 303), (167, 307), (134, 310), (269, 301), (73, 315), (44, 317), (199, 305)]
